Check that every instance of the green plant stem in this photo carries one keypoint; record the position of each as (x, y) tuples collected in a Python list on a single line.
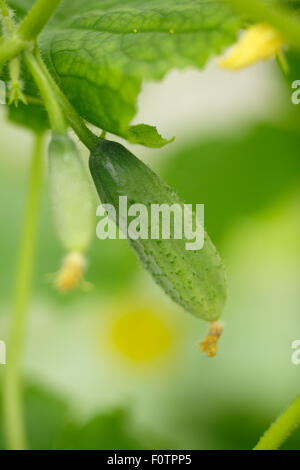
[(28, 30), (14, 69), (55, 101), (278, 16), (10, 48), (16, 93), (55, 113), (37, 18), (8, 23), (281, 429), (83, 132), (14, 426)]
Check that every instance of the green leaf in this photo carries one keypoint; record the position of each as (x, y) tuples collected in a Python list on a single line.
[(146, 135), (100, 52)]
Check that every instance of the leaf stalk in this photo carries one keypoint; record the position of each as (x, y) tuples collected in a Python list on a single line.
[(53, 108), (281, 429)]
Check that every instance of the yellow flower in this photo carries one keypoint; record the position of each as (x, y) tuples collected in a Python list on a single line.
[(141, 335), (259, 42)]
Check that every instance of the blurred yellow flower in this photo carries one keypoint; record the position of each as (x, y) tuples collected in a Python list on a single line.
[(141, 335), (259, 42)]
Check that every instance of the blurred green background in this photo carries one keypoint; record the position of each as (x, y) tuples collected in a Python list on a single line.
[(86, 387)]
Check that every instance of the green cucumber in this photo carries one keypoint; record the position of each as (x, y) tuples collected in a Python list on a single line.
[(195, 279), (71, 195)]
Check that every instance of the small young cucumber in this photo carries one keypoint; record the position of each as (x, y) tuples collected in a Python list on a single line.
[(72, 207), (194, 279), (71, 195)]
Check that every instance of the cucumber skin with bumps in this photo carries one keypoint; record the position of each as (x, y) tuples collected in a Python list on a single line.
[(196, 280)]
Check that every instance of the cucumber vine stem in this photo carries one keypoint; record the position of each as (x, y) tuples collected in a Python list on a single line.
[(56, 103), (10, 48), (37, 18), (28, 30), (55, 113), (14, 426), (87, 137), (281, 429), (6, 18)]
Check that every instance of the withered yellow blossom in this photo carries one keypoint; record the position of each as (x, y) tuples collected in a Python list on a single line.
[(71, 273), (210, 343)]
